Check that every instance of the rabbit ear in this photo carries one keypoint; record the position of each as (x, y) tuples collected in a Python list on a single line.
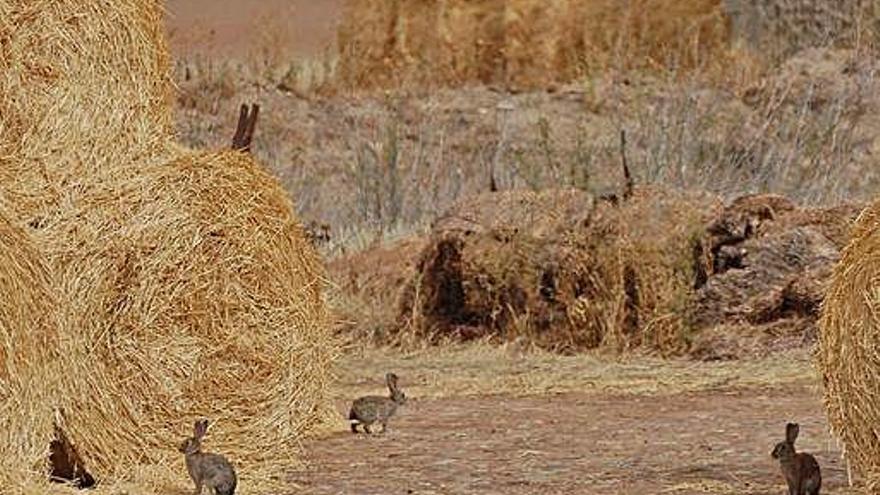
[(791, 432), (200, 428)]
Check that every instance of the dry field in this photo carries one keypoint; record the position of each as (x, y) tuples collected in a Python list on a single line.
[(415, 106), (593, 240), (488, 419)]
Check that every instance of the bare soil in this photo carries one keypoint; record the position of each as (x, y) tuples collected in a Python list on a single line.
[(692, 443)]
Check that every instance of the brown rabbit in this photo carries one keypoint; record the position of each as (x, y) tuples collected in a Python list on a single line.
[(211, 470), (801, 470), (372, 408)]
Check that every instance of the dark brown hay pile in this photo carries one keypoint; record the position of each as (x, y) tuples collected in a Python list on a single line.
[(190, 291), (769, 262), (81, 84), (849, 332), (561, 270)]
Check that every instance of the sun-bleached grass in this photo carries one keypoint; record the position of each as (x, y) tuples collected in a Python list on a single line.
[(455, 370)]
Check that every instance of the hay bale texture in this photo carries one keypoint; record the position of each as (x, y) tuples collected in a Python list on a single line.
[(29, 321), (562, 270), (848, 348), (186, 285), (81, 84), (192, 292), (189, 290)]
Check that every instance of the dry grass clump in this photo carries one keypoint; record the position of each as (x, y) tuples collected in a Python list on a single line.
[(190, 291), (848, 350), (81, 83), (522, 43), (644, 265), (561, 271), (366, 287)]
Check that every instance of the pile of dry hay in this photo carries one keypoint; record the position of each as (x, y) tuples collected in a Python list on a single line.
[(521, 43), (665, 270), (562, 270), (848, 338), (186, 286)]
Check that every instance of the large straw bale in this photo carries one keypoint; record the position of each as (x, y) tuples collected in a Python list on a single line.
[(185, 285), (81, 84), (561, 270), (848, 348), (192, 292)]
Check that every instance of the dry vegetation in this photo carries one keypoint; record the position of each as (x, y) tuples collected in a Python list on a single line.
[(426, 106), (848, 348), (483, 368), (180, 283), (183, 281)]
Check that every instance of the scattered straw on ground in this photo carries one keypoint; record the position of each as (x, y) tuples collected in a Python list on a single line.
[(480, 369)]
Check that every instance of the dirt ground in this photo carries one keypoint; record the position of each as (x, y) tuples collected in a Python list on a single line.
[(692, 443), (500, 419)]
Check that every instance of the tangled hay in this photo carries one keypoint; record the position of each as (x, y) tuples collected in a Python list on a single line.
[(561, 270), (81, 84), (28, 327), (191, 292), (185, 285), (522, 43), (848, 347), (366, 287)]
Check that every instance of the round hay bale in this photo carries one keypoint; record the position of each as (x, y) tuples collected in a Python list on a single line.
[(28, 329), (849, 332), (191, 291), (82, 85)]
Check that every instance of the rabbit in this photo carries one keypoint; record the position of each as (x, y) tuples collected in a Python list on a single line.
[(211, 470), (372, 408), (801, 470)]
